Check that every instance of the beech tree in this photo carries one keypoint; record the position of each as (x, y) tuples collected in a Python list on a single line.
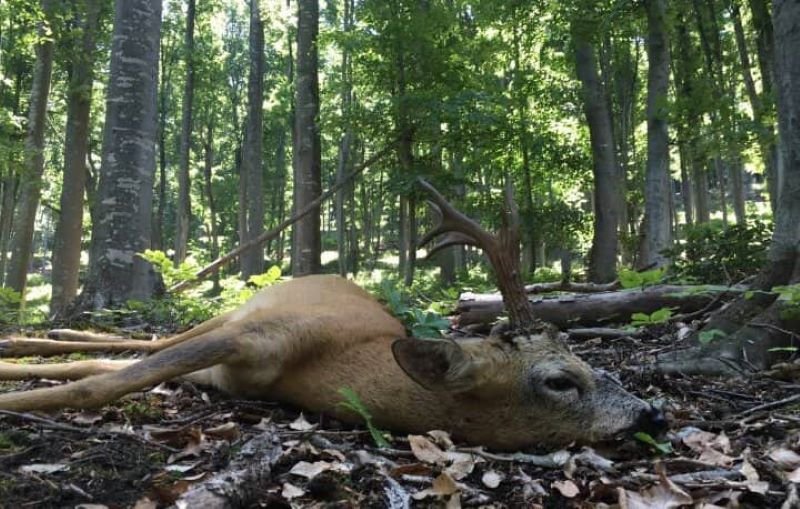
[(31, 179), (125, 190), (306, 247)]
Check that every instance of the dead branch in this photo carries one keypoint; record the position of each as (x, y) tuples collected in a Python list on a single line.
[(592, 309), (237, 485)]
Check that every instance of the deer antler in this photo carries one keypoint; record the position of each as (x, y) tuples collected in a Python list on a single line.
[(452, 227)]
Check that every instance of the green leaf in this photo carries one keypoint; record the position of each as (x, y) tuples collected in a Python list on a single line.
[(707, 336), (660, 447), (353, 403)]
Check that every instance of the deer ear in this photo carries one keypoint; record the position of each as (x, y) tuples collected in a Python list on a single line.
[(437, 365)]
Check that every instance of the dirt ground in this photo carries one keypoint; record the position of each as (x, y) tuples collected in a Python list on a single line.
[(732, 443)]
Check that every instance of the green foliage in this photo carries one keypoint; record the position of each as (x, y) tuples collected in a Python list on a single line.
[(9, 305), (421, 323), (713, 254), (659, 447), (163, 265), (707, 336), (633, 279), (353, 403), (790, 299), (656, 317)]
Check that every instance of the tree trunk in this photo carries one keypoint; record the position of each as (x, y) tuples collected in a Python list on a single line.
[(31, 182), (251, 177), (656, 234), (184, 208), (69, 230), (757, 328), (213, 228), (345, 144), (125, 190), (307, 170), (607, 189), (765, 49)]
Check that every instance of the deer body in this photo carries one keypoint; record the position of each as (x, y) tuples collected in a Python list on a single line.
[(301, 341)]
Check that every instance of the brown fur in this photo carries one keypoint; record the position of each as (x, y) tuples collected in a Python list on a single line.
[(303, 340)]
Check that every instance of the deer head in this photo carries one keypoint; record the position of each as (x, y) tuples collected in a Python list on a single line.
[(524, 379)]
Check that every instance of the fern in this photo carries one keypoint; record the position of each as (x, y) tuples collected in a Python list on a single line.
[(353, 403)]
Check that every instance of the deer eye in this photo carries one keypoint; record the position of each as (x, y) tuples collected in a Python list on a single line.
[(561, 384)]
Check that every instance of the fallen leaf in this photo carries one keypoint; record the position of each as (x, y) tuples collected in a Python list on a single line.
[(310, 470), (290, 491), (145, 503), (86, 418), (442, 438), (793, 476), (442, 486), (420, 469), (91, 506), (43, 468), (181, 468), (491, 479), (664, 495), (426, 451), (301, 424), (462, 464), (785, 458), (228, 431), (568, 489)]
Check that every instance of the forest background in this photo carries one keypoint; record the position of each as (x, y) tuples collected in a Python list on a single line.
[(636, 135)]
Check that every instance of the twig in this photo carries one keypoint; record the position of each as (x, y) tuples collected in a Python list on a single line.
[(769, 406), (51, 424), (553, 460)]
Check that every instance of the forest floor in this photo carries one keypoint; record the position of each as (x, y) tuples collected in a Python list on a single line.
[(732, 443)]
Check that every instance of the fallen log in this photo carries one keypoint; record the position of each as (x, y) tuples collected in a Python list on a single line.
[(569, 286), (595, 309)]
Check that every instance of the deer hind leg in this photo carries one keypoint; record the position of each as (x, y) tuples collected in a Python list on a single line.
[(66, 341), (215, 347), (62, 370)]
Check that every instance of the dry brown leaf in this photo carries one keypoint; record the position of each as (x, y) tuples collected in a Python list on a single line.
[(145, 503), (426, 451), (462, 464), (87, 418), (420, 469), (196, 443), (290, 491), (491, 479), (664, 495), (786, 459), (714, 457), (568, 489), (301, 424), (310, 470), (443, 486), (441, 438), (228, 431)]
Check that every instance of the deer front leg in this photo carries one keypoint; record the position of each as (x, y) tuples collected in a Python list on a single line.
[(215, 347)]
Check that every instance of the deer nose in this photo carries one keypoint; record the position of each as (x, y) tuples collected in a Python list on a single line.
[(651, 421)]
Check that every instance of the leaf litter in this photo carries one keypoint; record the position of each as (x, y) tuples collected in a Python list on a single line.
[(151, 448)]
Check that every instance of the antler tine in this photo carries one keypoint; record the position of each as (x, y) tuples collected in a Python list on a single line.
[(451, 220), (450, 239)]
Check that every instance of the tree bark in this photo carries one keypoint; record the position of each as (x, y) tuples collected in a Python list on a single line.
[(69, 229), (252, 173), (345, 144), (656, 233), (125, 189), (184, 208), (31, 182), (213, 228), (307, 170), (607, 189)]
